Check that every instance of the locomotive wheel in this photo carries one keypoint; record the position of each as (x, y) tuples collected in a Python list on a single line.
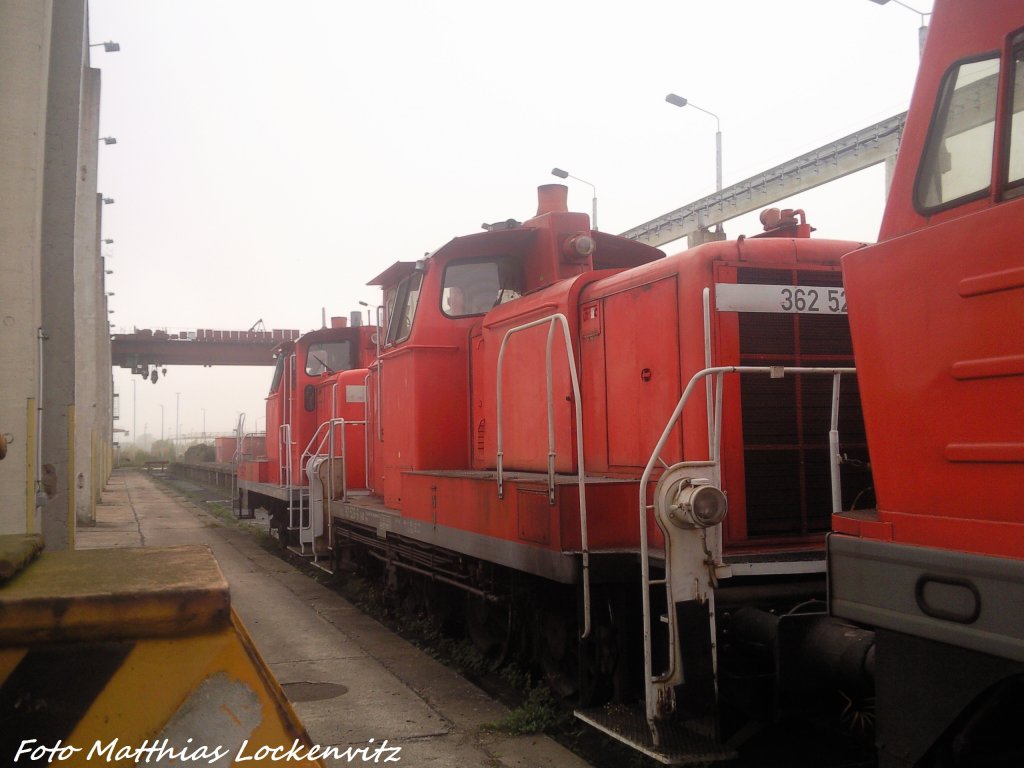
[(558, 652), (413, 599), (489, 626), (603, 655), (592, 671), (279, 523), (440, 605)]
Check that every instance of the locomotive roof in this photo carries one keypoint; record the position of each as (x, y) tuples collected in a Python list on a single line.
[(482, 244)]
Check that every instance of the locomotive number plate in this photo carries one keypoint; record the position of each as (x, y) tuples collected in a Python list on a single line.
[(788, 299)]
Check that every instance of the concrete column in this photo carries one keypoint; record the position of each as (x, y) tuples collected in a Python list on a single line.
[(704, 235), (89, 302), (104, 373), (68, 52), (890, 169), (25, 64)]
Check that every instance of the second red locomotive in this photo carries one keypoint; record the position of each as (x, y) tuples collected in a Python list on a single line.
[(524, 375)]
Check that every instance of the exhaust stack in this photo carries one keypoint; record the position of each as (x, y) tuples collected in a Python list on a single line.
[(552, 198)]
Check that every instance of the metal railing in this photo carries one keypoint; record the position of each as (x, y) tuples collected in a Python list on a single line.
[(714, 448), (324, 438), (551, 321)]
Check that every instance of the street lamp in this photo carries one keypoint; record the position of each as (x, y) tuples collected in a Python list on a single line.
[(108, 241), (679, 101), (108, 140), (109, 47), (566, 175), (922, 31), (108, 200)]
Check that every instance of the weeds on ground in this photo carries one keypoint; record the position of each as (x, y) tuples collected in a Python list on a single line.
[(539, 713)]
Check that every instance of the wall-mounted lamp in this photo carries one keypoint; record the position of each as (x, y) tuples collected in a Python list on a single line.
[(108, 201), (109, 47), (108, 140), (108, 241)]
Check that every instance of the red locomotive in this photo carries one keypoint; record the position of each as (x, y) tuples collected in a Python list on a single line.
[(523, 379), (550, 422), (317, 399), (937, 313)]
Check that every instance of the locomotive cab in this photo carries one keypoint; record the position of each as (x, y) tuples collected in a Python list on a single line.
[(938, 566), (318, 378)]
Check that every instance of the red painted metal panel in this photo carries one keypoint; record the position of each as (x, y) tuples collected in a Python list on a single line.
[(343, 396), (224, 449), (471, 503), (642, 372), (923, 414)]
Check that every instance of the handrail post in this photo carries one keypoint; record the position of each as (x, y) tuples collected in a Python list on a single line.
[(549, 377), (578, 412), (650, 681), (833, 450)]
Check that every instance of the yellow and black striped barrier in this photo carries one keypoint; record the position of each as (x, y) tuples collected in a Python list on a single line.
[(133, 656)]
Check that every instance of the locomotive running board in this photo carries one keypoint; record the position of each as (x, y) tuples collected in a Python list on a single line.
[(679, 744)]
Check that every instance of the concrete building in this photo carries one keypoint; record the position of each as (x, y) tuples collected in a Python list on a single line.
[(55, 377)]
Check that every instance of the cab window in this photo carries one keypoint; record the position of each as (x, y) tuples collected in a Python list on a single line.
[(404, 310), (473, 287), (328, 357), (957, 162), (278, 373), (1015, 156)]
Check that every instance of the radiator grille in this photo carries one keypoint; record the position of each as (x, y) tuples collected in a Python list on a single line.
[(786, 421)]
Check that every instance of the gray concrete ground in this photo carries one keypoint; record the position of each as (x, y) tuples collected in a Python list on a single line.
[(349, 678)]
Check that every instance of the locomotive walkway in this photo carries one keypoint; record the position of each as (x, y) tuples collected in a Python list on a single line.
[(351, 681)]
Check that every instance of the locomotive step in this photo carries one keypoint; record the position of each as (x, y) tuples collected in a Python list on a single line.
[(679, 745)]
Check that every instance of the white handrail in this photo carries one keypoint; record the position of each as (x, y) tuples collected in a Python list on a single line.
[(325, 433), (551, 320), (714, 452)]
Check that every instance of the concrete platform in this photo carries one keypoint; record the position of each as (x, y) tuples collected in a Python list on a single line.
[(350, 679)]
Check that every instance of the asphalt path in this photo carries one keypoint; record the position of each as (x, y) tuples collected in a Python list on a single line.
[(351, 681)]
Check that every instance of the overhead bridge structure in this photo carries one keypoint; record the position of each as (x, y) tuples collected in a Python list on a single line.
[(869, 146), (146, 348)]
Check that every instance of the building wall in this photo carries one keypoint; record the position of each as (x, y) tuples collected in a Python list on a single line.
[(68, 50), (90, 303), (25, 62), (54, 338)]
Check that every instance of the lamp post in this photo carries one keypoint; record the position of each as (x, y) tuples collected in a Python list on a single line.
[(922, 31), (679, 101), (566, 175)]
